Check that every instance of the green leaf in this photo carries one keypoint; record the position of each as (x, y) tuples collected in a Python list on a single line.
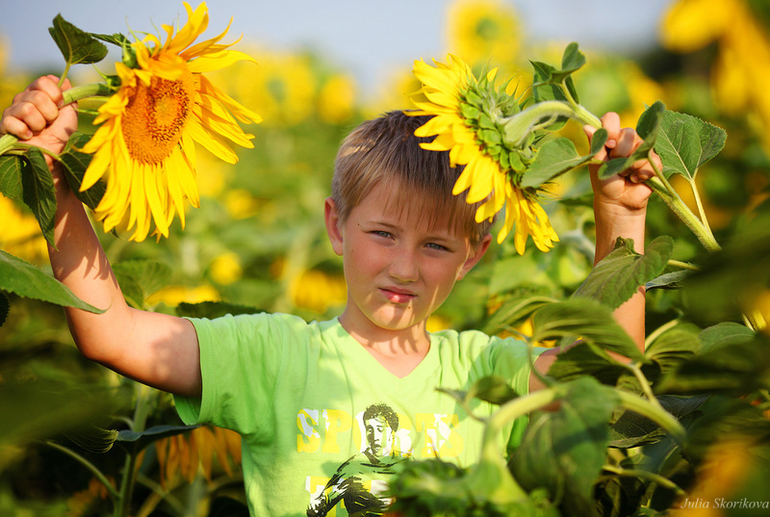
[(10, 176), (618, 275), (673, 280), (75, 165), (584, 360), (493, 389), (212, 310), (685, 143), (572, 59), (725, 418), (564, 451), (142, 440), (648, 129), (514, 310), (24, 279), (40, 408), (649, 122), (588, 320), (737, 368), (140, 278), (723, 334), (76, 46), (93, 438), (39, 194), (632, 430), (555, 157), (490, 389), (674, 347)]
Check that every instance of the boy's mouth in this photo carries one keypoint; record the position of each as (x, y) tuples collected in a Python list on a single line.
[(396, 295)]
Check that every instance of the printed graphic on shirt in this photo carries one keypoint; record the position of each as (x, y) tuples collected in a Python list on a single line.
[(361, 482)]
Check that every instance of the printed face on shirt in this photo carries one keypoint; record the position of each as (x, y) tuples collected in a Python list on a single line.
[(377, 435), (399, 266)]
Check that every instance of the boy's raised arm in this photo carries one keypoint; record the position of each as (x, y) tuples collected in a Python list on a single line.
[(620, 210), (156, 349)]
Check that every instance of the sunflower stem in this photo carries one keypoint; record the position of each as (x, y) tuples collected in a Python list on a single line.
[(517, 128), (87, 90)]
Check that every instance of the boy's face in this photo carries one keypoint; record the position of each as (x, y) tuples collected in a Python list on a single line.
[(399, 268)]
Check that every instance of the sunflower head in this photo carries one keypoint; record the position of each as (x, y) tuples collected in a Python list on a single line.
[(471, 120), (163, 106)]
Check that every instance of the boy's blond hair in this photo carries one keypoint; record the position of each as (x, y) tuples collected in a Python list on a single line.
[(386, 149)]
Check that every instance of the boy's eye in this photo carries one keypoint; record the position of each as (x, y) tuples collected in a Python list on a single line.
[(381, 233), (435, 246)]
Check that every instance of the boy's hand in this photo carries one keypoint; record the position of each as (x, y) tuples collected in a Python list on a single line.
[(625, 192), (38, 117)]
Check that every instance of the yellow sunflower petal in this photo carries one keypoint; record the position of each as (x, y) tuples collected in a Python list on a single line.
[(144, 146)]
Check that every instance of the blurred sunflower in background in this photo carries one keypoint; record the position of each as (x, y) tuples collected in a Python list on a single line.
[(481, 30), (144, 146), (742, 69)]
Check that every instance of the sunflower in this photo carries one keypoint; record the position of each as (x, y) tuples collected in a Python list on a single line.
[(144, 146), (465, 126), (482, 28)]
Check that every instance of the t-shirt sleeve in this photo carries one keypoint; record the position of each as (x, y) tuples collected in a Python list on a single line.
[(240, 357)]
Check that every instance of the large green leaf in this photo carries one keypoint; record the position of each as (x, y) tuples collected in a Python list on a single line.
[(618, 275), (564, 451), (585, 319), (685, 143), (76, 46), (39, 194), (24, 279)]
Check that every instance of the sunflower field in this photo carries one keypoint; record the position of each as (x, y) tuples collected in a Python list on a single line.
[(683, 429)]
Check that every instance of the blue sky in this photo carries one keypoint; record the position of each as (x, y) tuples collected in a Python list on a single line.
[(368, 38)]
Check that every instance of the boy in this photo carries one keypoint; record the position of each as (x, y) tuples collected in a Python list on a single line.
[(298, 392)]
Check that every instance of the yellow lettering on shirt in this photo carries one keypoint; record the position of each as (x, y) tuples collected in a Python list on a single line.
[(337, 421)]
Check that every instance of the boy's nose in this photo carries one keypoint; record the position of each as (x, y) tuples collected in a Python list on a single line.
[(404, 266)]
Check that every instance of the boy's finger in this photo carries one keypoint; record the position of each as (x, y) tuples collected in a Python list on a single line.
[(626, 143), (611, 122), (14, 126)]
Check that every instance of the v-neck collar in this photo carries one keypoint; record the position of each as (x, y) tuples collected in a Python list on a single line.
[(351, 348)]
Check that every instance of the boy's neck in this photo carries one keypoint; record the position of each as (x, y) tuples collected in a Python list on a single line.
[(398, 351)]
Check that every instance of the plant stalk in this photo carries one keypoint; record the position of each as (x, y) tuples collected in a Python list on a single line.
[(644, 474), (517, 128), (98, 474), (678, 206)]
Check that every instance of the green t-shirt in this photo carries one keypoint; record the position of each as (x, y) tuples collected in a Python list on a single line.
[(322, 422)]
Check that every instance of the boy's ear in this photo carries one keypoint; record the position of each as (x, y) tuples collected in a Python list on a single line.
[(332, 218), (478, 252)]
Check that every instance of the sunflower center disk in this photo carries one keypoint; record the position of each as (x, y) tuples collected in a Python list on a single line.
[(156, 116)]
